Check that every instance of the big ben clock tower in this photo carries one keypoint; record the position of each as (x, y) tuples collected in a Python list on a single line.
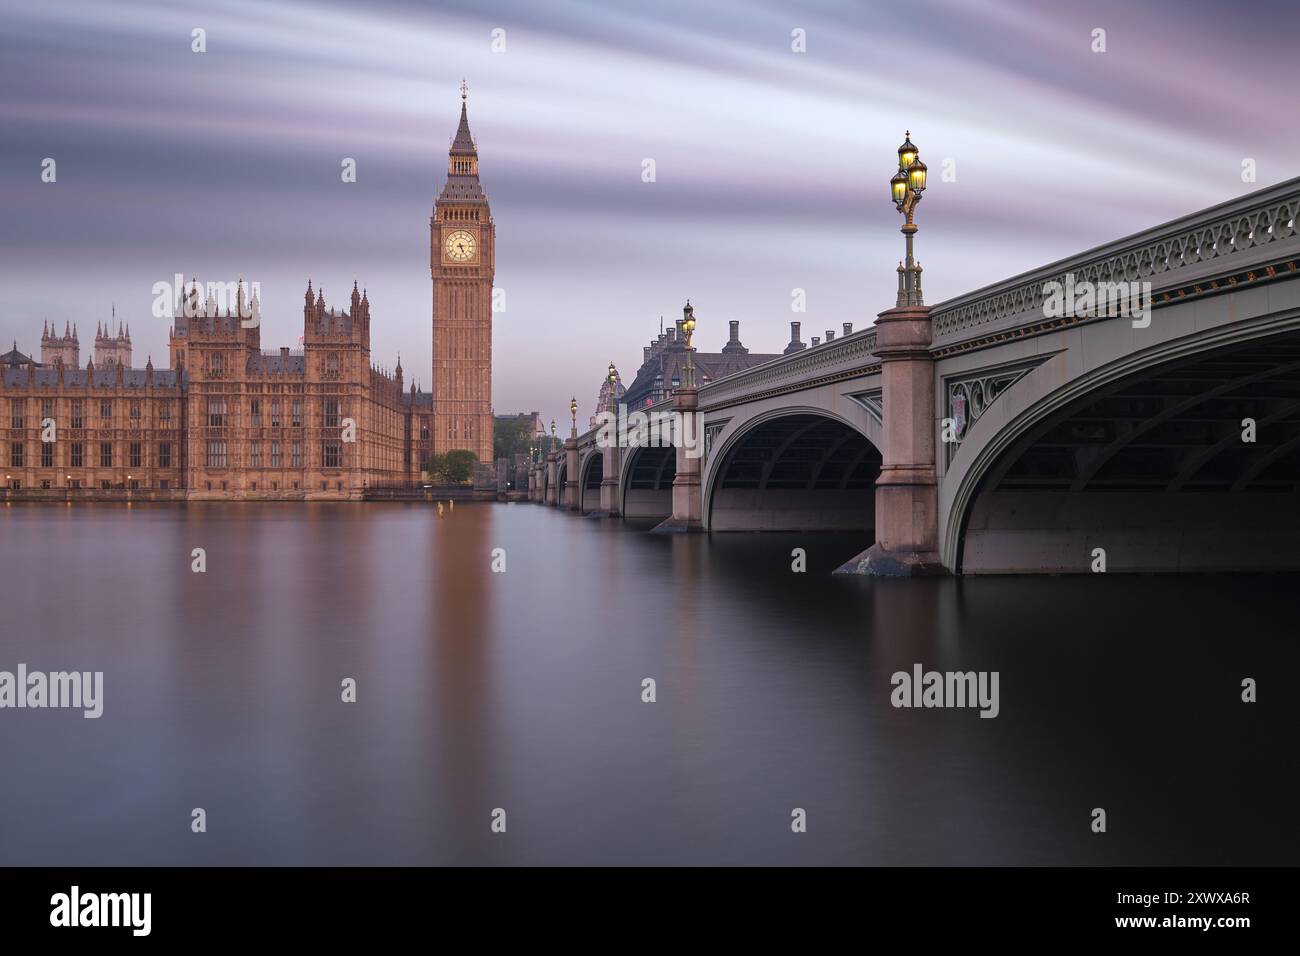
[(462, 250)]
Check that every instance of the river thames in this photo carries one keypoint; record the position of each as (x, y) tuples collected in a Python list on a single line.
[(522, 690)]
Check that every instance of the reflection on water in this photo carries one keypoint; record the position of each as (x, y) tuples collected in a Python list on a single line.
[(522, 691)]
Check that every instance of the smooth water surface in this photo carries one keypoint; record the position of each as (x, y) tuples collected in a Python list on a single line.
[(523, 691)]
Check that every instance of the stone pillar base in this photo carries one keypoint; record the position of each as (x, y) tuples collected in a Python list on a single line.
[(878, 562), (677, 526), (609, 498)]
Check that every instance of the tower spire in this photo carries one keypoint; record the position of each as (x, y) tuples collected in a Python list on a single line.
[(463, 142), (462, 184)]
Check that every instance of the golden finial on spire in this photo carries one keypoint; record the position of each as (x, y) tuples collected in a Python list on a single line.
[(464, 89)]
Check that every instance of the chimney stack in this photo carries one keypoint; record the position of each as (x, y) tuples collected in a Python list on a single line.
[(848, 328), (816, 341), (830, 335), (795, 344), (733, 343)]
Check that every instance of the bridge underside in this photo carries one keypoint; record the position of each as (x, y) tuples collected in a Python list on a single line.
[(649, 492), (796, 473), (591, 478), (1155, 471)]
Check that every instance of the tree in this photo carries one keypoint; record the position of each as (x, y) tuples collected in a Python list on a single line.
[(458, 466), (453, 468), (511, 436)]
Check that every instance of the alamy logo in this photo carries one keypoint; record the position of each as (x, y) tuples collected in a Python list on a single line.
[(36, 689), (1071, 299), (75, 908), (240, 299), (922, 688), (660, 428)]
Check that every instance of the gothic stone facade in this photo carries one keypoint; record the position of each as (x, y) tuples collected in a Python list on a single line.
[(225, 421), (113, 427), (229, 421), (462, 261)]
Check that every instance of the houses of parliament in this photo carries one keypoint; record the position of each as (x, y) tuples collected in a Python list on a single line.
[(227, 420)]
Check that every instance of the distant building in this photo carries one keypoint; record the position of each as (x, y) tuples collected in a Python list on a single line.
[(226, 419), (62, 348), (110, 349), (533, 428), (16, 359), (462, 261), (602, 397), (664, 359)]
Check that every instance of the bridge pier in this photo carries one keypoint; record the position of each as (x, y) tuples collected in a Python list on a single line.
[(552, 475), (688, 505), (609, 480), (907, 491), (572, 490)]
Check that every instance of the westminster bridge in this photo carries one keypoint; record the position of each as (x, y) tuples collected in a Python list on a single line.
[(991, 433)]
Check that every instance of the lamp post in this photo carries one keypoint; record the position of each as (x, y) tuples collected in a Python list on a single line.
[(533, 486), (688, 327), (609, 454), (907, 489), (570, 490), (552, 471), (686, 439), (905, 189)]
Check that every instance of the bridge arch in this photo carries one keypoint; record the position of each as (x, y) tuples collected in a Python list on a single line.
[(791, 469), (646, 487), (561, 468), (1139, 454), (591, 469)]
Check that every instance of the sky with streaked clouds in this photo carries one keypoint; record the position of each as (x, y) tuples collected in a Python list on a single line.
[(772, 166)]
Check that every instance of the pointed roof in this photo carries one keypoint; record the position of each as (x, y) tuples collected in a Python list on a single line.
[(14, 358), (463, 144), (462, 186)]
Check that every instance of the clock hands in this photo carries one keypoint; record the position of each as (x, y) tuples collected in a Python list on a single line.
[(460, 246)]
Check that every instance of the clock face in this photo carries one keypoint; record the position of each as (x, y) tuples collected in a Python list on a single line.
[(460, 246)]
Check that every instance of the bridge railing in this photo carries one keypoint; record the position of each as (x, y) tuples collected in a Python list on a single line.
[(852, 353), (1237, 235)]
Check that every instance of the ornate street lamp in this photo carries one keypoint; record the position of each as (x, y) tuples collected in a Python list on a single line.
[(907, 153), (552, 435), (613, 392), (898, 187), (905, 190), (573, 413), (688, 327)]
